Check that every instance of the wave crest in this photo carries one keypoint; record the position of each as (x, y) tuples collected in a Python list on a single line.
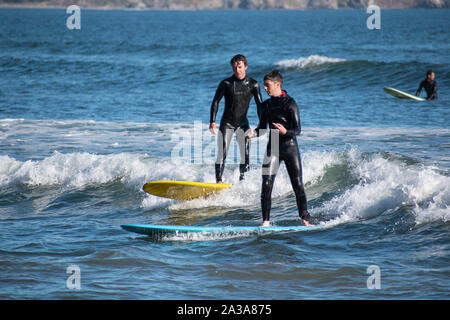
[(386, 184), (311, 61), (341, 186)]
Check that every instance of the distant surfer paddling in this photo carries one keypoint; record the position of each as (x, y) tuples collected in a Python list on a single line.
[(430, 86), (280, 113), (238, 91)]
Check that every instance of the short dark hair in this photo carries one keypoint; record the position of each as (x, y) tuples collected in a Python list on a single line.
[(429, 72), (237, 58), (274, 76)]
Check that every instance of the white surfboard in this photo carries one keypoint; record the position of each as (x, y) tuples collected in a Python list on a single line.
[(402, 95)]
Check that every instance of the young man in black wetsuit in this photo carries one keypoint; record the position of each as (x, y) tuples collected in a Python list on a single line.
[(238, 91), (430, 86), (280, 113)]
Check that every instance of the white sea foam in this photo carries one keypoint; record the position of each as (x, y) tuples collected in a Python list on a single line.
[(192, 142), (78, 170), (248, 192), (302, 62), (385, 185), (205, 236), (75, 170)]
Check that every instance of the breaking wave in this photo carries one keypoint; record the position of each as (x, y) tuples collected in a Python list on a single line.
[(302, 62), (342, 186)]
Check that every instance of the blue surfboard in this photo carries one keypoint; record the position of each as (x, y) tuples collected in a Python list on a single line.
[(161, 230)]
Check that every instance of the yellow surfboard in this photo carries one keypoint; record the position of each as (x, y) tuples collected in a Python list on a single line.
[(182, 190)]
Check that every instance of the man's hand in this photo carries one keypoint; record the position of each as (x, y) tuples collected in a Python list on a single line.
[(251, 133), (280, 128), (213, 128)]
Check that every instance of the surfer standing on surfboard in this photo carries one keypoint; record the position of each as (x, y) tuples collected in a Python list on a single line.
[(238, 91), (280, 113), (430, 86)]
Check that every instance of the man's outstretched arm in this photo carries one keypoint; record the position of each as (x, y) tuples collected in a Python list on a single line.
[(215, 107)]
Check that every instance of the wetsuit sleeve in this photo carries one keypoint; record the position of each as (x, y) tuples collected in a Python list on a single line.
[(263, 121), (294, 120), (215, 103), (258, 98), (419, 89), (434, 93)]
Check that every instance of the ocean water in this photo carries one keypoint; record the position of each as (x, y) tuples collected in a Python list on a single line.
[(88, 116)]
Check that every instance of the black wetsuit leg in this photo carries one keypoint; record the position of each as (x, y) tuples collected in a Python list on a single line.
[(270, 169), (291, 157), (223, 144), (225, 135), (244, 150), (289, 153)]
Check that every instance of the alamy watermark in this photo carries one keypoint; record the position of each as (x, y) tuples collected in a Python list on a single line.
[(73, 282), (74, 20), (374, 280), (199, 146), (374, 20)]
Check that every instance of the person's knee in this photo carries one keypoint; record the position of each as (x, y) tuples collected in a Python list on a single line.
[(297, 184), (267, 182)]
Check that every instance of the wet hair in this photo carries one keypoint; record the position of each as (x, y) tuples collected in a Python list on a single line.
[(429, 72), (237, 58), (274, 76)]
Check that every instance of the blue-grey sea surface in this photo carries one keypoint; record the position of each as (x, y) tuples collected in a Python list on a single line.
[(88, 116)]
